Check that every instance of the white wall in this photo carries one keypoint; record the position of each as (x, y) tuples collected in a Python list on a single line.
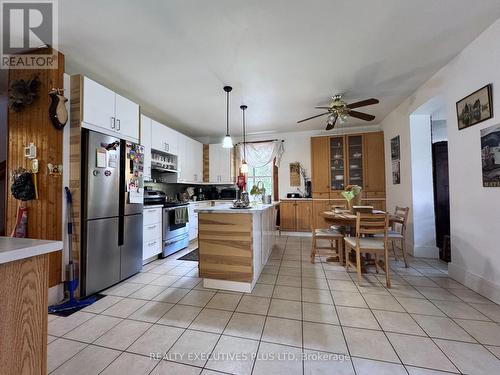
[(475, 210), (424, 228)]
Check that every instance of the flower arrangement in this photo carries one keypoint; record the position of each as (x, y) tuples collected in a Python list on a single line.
[(352, 193)]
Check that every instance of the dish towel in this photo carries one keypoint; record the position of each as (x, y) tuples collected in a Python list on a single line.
[(181, 215)]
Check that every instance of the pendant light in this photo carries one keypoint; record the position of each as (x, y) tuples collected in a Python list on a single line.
[(244, 165), (227, 142)]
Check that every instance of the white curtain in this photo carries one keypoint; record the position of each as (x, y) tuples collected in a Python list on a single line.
[(262, 153)]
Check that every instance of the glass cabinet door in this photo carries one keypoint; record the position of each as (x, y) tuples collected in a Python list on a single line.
[(355, 151), (337, 163)]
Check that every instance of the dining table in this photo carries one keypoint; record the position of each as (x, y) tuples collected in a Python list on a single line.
[(345, 220)]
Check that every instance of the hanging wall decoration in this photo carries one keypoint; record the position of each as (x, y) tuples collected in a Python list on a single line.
[(395, 159), (490, 156), (57, 110), (23, 93), (295, 174), (475, 108)]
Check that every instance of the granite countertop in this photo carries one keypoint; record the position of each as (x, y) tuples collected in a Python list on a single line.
[(12, 249), (226, 209)]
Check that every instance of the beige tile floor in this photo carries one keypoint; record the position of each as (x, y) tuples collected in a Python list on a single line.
[(301, 318)]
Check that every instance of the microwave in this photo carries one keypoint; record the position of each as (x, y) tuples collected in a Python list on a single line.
[(229, 193)]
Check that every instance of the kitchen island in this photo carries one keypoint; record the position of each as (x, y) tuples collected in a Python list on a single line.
[(235, 244), (24, 265)]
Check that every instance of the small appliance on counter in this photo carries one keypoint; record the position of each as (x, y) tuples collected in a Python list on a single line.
[(294, 195), (154, 197), (229, 193), (308, 189), (200, 194)]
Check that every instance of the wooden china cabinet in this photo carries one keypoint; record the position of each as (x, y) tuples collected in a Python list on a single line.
[(338, 161), (351, 159)]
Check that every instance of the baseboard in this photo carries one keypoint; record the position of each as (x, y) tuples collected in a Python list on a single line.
[(426, 252), (476, 283), (296, 234), (56, 294)]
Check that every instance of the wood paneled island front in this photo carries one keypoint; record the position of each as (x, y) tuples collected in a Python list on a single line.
[(234, 245)]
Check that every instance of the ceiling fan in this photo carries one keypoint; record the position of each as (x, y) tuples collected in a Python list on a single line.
[(338, 108)]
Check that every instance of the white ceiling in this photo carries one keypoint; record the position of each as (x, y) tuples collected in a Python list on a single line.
[(282, 57)]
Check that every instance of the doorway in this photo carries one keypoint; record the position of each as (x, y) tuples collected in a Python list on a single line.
[(441, 188), (430, 182)]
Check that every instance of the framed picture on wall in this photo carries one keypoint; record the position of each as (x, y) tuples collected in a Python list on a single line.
[(490, 156), (295, 174), (395, 158), (475, 108), (395, 148), (396, 173)]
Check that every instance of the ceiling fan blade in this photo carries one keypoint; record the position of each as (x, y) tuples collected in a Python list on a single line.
[(331, 125), (363, 103), (361, 115), (322, 107), (310, 118)]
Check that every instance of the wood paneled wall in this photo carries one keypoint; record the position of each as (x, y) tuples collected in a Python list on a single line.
[(225, 246), (206, 165), (23, 316), (33, 125)]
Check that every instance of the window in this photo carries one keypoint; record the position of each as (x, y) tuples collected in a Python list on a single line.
[(264, 174)]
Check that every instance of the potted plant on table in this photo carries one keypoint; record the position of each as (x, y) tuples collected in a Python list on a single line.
[(352, 195)]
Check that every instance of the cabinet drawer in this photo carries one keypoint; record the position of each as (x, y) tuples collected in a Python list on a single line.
[(151, 216), (151, 248), (151, 232)]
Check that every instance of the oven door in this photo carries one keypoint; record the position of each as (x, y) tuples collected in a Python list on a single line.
[(170, 228)]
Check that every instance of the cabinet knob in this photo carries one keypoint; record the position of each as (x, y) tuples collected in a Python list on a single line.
[(112, 123), (118, 126)]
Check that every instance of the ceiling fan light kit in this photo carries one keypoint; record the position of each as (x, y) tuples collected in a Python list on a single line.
[(340, 110), (227, 142)]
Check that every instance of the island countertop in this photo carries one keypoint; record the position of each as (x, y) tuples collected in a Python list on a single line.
[(12, 249), (227, 209)]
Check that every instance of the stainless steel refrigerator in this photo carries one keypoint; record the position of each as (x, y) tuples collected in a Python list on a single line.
[(112, 211)]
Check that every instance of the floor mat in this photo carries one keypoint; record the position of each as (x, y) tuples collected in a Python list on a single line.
[(193, 255)]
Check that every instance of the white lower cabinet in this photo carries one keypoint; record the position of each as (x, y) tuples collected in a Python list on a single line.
[(151, 232), (193, 217)]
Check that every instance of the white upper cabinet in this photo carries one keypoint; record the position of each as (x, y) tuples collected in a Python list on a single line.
[(220, 170), (98, 105), (145, 140), (127, 117), (109, 113), (164, 139), (190, 159)]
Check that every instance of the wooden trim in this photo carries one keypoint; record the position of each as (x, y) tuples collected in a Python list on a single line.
[(206, 163), (276, 192), (76, 106)]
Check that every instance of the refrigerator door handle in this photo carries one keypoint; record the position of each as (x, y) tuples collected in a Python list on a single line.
[(120, 231)]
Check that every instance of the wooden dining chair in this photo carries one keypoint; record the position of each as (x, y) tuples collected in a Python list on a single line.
[(369, 225), (339, 206), (331, 235), (397, 233)]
